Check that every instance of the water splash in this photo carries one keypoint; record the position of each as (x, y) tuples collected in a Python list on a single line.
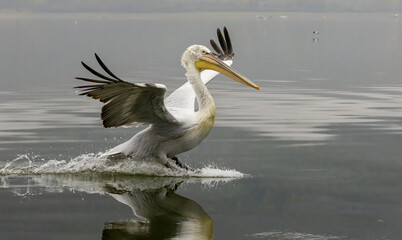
[(28, 164), (28, 185), (294, 235)]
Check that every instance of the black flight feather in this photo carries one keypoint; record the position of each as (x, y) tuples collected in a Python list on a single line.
[(105, 68)]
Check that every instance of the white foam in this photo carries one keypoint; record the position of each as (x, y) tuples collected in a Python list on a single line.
[(293, 235), (27, 164)]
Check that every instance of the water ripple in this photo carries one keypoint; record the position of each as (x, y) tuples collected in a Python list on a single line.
[(307, 114)]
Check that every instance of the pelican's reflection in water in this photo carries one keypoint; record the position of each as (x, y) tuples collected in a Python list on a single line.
[(163, 213), (159, 213)]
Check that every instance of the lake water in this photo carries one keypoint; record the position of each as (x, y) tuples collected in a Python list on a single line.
[(315, 154)]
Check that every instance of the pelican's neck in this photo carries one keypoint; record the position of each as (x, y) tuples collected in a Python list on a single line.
[(204, 98)]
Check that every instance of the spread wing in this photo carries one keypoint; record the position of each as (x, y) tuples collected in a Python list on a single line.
[(184, 96), (127, 104)]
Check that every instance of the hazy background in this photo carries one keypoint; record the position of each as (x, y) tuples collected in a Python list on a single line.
[(139, 6), (321, 138)]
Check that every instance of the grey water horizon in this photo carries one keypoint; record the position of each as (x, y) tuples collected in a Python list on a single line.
[(321, 139)]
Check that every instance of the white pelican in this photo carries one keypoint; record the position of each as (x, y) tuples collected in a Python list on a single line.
[(176, 126)]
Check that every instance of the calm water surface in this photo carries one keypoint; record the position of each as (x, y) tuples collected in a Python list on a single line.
[(320, 143)]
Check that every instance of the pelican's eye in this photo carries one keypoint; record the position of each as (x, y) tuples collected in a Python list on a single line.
[(204, 52)]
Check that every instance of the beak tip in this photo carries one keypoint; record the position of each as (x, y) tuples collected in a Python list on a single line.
[(258, 88)]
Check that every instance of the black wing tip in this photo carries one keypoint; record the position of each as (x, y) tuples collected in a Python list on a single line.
[(106, 69), (113, 78), (97, 57), (84, 64), (224, 42), (215, 47), (228, 41)]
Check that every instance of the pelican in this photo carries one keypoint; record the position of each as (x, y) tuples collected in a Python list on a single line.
[(175, 124)]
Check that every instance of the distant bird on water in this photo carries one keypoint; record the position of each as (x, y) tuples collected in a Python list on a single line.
[(175, 126)]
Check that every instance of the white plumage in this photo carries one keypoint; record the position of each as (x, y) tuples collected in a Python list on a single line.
[(175, 125)]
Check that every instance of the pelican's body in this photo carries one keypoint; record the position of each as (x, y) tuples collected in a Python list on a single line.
[(175, 125), (162, 143)]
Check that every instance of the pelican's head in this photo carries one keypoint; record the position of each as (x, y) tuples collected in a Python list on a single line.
[(202, 58)]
